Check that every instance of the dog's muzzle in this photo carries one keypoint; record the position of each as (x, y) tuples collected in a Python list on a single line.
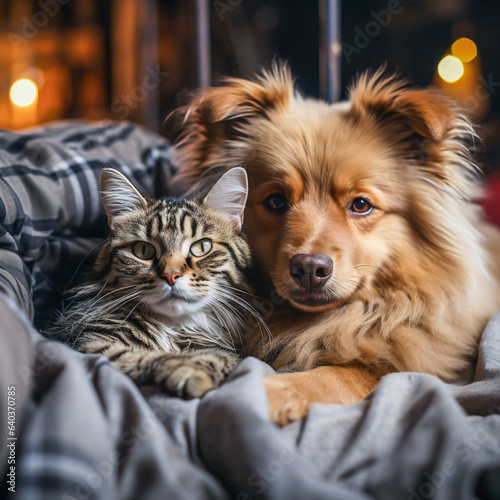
[(310, 271)]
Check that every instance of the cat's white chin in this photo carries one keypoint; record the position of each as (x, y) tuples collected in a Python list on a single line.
[(174, 307)]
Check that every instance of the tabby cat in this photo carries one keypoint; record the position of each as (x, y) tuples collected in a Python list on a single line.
[(164, 299)]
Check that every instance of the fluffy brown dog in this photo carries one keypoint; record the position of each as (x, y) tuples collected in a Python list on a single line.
[(361, 217)]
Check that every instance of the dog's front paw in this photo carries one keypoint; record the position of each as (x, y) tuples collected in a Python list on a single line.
[(193, 374), (287, 402), (291, 394)]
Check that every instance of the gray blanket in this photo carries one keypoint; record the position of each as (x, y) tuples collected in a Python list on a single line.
[(83, 430), (88, 432)]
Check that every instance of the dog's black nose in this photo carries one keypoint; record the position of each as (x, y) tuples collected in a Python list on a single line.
[(310, 270)]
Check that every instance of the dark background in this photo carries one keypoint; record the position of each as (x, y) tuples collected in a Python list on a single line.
[(90, 57)]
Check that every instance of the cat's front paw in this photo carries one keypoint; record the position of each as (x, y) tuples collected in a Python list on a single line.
[(191, 375)]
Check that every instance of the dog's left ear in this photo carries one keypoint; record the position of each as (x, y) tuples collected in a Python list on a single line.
[(408, 111), (423, 127)]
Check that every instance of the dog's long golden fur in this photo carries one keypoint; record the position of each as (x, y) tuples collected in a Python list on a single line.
[(414, 279)]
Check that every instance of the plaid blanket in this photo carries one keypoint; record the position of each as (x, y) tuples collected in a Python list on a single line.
[(74, 428), (50, 210)]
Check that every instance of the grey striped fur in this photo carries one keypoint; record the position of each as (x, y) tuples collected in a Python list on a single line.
[(182, 335)]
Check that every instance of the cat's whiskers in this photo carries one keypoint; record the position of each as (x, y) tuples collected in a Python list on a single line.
[(238, 290), (82, 292), (92, 311), (222, 321), (95, 311), (87, 290), (113, 304), (83, 260), (229, 322), (228, 295)]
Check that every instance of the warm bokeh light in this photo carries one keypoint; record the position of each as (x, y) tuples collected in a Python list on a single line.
[(450, 69), (23, 92), (464, 49)]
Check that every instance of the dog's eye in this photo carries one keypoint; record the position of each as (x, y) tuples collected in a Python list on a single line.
[(361, 206), (276, 203)]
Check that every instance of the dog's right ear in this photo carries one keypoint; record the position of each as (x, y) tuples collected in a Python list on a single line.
[(216, 118), (239, 99)]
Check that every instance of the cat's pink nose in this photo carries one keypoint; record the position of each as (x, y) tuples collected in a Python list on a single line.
[(172, 278)]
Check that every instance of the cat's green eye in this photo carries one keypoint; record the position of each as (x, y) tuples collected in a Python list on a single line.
[(143, 250), (201, 247)]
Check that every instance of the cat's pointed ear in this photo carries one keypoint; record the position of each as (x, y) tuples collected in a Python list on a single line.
[(118, 194), (229, 195)]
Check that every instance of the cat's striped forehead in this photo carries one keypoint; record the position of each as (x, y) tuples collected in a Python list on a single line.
[(172, 222)]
